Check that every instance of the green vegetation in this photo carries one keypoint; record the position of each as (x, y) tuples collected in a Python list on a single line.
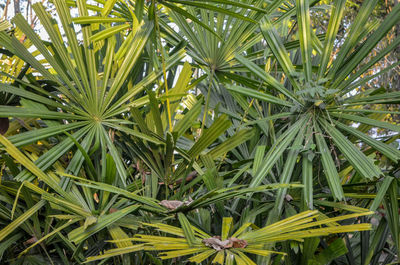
[(183, 131)]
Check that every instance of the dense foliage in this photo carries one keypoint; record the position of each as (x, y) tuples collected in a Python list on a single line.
[(185, 131)]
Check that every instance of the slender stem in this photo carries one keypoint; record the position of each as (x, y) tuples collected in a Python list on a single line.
[(236, 130), (164, 73), (207, 102)]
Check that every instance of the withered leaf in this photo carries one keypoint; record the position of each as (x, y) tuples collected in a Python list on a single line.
[(174, 204), (216, 243), (170, 204)]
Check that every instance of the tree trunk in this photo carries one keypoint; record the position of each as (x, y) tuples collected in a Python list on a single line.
[(17, 7)]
